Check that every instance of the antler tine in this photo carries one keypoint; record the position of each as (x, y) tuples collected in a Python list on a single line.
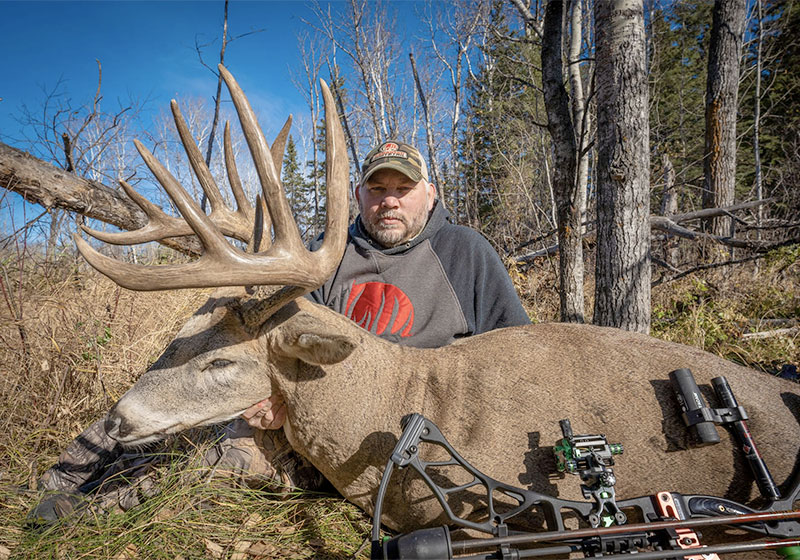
[(279, 145), (286, 233), (337, 174), (199, 166), (242, 204), (159, 225), (238, 223), (261, 239), (211, 238)]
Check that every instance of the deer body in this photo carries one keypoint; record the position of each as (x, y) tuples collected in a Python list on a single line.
[(497, 397)]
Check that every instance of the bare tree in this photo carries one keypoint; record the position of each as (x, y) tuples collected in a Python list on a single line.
[(82, 139), (366, 35), (428, 132), (562, 132), (622, 292), (460, 27)]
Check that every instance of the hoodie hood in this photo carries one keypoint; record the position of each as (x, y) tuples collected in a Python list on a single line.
[(439, 217)]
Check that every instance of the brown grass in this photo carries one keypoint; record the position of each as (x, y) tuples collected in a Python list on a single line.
[(71, 342)]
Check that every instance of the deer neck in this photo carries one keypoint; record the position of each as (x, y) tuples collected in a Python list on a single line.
[(367, 393)]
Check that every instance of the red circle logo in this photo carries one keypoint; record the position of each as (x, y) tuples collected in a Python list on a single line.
[(389, 147)]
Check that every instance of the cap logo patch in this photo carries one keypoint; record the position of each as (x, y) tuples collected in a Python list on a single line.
[(384, 153), (389, 147)]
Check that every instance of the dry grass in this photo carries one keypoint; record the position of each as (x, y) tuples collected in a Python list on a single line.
[(71, 342), (713, 310)]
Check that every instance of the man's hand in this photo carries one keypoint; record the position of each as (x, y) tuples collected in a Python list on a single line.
[(269, 414)]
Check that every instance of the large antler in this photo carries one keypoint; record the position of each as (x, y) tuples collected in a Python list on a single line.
[(285, 262)]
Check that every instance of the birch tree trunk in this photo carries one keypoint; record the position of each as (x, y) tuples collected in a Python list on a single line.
[(757, 118), (570, 289), (622, 290), (722, 88), (580, 117)]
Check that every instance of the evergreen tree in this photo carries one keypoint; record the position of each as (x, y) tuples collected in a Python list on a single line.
[(297, 189), (779, 136), (679, 48)]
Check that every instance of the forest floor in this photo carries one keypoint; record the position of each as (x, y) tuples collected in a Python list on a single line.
[(71, 342)]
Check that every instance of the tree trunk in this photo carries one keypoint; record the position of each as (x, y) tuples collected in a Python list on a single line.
[(669, 207), (722, 85), (622, 290), (757, 118), (580, 117), (51, 187), (428, 133), (560, 126)]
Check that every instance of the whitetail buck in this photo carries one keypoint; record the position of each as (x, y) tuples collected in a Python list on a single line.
[(497, 397)]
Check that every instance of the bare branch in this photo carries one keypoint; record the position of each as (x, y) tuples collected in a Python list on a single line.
[(791, 331), (712, 212), (528, 17)]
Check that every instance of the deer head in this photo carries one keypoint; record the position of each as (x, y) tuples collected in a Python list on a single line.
[(222, 360)]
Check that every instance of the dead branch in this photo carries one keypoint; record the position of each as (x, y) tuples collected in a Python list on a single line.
[(770, 334), (44, 184), (670, 225), (666, 224), (706, 266), (792, 322), (714, 212)]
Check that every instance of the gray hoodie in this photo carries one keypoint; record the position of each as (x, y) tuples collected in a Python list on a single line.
[(444, 284)]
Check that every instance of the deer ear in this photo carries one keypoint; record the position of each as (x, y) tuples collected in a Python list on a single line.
[(306, 338)]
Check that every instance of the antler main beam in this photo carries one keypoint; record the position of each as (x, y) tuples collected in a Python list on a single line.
[(285, 262)]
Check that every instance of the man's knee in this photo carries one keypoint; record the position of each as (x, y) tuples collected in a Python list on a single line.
[(261, 458)]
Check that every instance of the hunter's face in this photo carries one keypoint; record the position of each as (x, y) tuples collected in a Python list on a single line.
[(394, 208)]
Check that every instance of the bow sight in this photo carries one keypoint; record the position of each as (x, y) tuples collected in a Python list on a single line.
[(669, 520)]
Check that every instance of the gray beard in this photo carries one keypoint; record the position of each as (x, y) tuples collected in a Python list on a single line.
[(392, 237)]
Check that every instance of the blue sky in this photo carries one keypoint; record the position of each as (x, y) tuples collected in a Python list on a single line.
[(147, 52)]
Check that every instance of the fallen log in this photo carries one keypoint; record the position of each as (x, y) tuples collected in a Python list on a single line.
[(42, 183)]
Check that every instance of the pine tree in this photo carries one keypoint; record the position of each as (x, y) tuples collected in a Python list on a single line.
[(297, 189), (679, 47)]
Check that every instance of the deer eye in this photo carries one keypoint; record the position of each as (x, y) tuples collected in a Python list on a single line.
[(220, 363)]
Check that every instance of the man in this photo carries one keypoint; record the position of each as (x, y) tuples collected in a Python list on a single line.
[(408, 275)]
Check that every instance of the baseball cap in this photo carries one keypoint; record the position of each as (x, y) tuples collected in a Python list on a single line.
[(392, 154)]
